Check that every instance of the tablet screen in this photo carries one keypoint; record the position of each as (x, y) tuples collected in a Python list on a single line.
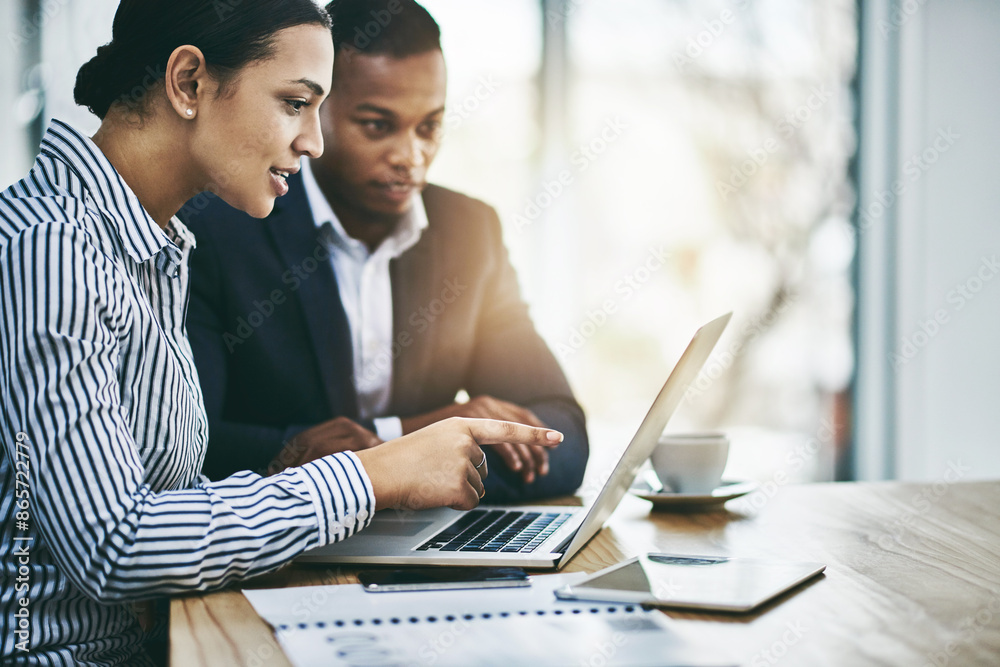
[(699, 582)]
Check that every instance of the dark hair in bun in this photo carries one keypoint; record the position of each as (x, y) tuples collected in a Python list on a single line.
[(230, 33)]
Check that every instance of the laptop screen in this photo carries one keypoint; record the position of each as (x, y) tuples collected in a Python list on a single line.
[(644, 441)]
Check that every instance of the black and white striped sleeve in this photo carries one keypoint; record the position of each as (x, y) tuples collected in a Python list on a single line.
[(66, 317)]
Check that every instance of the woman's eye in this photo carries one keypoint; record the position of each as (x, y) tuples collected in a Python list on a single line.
[(297, 105)]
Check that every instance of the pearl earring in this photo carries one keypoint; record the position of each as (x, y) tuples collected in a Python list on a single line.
[(190, 112)]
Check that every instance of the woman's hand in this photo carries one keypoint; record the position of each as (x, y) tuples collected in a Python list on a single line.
[(436, 466), (529, 461)]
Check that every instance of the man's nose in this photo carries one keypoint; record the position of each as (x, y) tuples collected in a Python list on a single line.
[(408, 152)]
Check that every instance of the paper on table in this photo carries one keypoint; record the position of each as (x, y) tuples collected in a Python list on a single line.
[(337, 626), (635, 640), (348, 603)]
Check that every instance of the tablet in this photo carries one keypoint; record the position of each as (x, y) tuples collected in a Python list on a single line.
[(717, 583)]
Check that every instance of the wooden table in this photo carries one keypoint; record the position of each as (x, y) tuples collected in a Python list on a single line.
[(913, 578)]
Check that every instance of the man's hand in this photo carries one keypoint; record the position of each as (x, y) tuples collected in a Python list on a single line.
[(528, 459), (337, 435), (443, 465)]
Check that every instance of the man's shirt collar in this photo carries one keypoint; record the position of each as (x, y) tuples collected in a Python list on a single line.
[(404, 237)]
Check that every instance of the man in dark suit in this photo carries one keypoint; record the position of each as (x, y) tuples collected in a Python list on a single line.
[(368, 299)]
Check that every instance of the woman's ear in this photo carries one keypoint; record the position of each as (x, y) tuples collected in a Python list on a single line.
[(186, 79)]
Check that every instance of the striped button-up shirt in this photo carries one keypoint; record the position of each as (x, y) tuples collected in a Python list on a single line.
[(103, 430)]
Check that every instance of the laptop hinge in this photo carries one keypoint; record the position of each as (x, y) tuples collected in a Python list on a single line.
[(561, 549)]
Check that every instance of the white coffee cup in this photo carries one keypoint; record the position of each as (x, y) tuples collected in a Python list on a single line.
[(691, 462)]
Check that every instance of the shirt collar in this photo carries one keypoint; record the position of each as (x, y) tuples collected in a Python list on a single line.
[(141, 237), (404, 237)]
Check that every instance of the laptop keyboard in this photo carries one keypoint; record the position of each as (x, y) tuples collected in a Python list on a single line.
[(504, 531)]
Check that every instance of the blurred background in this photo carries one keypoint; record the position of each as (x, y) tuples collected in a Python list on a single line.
[(823, 168)]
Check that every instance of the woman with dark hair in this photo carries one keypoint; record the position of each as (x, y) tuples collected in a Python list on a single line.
[(102, 425)]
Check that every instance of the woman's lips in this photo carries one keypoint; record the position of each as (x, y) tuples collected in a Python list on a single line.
[(278, 183)]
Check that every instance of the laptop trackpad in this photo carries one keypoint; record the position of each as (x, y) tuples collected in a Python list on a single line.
[(390, 528)]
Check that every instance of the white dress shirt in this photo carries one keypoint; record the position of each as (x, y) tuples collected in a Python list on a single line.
[(104, 428), (366, 293)]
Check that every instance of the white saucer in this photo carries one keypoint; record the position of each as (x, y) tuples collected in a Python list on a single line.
[(727, 491)]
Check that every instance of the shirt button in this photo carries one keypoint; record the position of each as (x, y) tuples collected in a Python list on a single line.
[(362, 515)]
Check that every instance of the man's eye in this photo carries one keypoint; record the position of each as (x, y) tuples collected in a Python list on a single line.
[(431, 128), (375, 125)]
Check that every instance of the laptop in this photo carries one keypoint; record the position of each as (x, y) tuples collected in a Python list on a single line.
[(532, 536)]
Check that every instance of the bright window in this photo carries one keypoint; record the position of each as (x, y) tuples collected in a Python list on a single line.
[(702, 167)]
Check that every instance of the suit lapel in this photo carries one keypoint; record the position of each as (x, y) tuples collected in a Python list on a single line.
[(412, 274), (295, 235), (417, 277)]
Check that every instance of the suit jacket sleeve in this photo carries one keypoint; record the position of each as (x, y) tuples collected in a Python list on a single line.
[(513, 363), (233, 446)]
